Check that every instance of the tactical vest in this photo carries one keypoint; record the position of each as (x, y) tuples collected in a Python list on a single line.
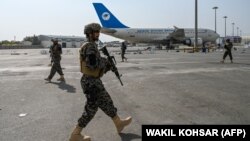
[(56, 50), (97, 72)]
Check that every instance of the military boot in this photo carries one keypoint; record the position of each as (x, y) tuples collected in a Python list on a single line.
[(61, 78), (121, 123), (48, 79), (76, 135)]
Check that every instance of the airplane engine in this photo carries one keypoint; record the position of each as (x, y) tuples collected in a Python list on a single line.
[(190, 42)]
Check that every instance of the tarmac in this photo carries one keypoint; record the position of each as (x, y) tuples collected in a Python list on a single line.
[(160, 88)]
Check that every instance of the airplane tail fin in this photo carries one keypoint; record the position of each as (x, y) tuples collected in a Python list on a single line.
[(107, 19)]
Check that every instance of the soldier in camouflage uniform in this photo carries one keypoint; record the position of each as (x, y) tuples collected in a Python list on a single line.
[(93, 66), (123, 49), (55, 51), (228, 46)]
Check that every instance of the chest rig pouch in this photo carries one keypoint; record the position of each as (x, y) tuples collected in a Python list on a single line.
[(87, 67)]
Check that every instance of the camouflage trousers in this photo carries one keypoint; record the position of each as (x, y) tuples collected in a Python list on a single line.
[(97, 97), (123, 55), (228, 52), (56, 67)]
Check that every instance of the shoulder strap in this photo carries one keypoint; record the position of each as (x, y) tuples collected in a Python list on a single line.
[(82, 50)]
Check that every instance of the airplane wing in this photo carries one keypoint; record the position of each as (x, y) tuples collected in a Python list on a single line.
[(178, 34), (107, 30), (175, 27)]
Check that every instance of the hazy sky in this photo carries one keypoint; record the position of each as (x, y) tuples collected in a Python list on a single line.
[(21, 18)]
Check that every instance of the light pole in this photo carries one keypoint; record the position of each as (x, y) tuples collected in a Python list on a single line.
[(237, 31), (215, 8), (225, 17), (196, 25), (233, 28)]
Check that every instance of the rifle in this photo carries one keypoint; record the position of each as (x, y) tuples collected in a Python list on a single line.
[(112, 62)]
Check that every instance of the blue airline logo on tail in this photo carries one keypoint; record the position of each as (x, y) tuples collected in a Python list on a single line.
[(105, 16), (107, 19)]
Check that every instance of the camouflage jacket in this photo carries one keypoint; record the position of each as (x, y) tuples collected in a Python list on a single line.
[(56, 51), (90, 55)]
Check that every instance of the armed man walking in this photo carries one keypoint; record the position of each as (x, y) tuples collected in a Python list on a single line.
[(123, 49), (93, 66), (55, 51), (228, 46)]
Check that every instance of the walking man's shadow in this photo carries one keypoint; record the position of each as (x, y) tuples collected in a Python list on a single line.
[(65, 86), (129, 136)]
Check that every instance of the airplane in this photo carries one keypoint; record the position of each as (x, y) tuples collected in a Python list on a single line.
[(165, 36)]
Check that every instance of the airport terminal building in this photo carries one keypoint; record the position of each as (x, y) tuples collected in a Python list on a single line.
[(246, 39), (65, 41)]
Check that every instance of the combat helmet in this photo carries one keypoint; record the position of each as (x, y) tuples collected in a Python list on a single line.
[(90, 28), (54, 40)]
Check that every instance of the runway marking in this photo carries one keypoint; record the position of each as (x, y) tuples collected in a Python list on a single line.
[(167, 63), (185, 71), (22, 69), (198, 70)]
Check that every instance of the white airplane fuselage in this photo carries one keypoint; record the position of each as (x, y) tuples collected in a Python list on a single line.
[(152, 35)]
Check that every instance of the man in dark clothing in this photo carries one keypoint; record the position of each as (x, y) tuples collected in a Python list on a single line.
[(93, 66), (123, 49), (50, 55), (228, 47), (55, 51)]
